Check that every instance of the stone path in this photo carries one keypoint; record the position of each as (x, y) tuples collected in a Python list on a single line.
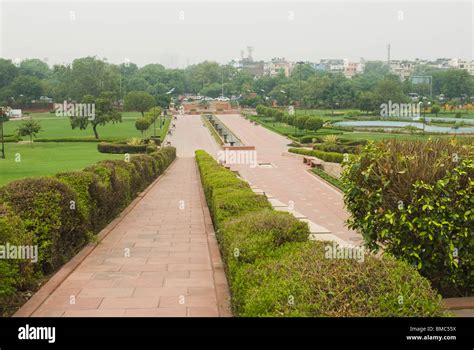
[(162, 259), (286, 179)]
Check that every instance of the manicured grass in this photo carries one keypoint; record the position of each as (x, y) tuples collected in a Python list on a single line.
[(48, 158), (328, 178), (60, 127)]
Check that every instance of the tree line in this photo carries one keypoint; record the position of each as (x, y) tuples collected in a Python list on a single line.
[(306, 86)]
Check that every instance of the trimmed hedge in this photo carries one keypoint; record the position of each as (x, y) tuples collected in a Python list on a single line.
[(415, 199), (299, 281), (44, 206), (331, 157), (119, 148), (59, 214), (269, 261), (15, 274)]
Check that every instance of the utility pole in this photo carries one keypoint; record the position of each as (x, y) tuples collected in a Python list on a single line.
[(388, 56)]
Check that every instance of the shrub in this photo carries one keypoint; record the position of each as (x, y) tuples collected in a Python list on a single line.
[(326, 156), (118, 148), (44, 206), (313, 124), (319, 287), (267, 263), (310, 139), (415, 199), (15, 274), (88, 192), (258, 233), (328, 147)]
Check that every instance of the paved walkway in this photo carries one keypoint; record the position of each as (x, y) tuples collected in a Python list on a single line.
[(162, 259), (287, 179)]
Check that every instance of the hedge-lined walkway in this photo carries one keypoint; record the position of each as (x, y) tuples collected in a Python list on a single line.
[(160, 260)]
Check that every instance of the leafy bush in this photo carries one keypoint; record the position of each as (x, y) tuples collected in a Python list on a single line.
[(268, 263), (313, 124), (326, 156), (15, 274), (336, 148), (416, 200), (310, 139), (90, 195), (44, 206), (298, 280), (118, 148), (258, 233)]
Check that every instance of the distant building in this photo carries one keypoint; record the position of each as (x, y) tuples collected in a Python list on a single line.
[(404, 69), (278, 65)]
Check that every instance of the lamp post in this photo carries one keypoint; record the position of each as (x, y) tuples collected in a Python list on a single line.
[(4, 116)]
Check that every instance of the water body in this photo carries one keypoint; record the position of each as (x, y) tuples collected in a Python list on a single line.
[(399, 124)]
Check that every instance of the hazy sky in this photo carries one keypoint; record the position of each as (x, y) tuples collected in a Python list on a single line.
[(181, 33)]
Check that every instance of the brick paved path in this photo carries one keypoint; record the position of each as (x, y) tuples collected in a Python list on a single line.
[(162, 259), (288, 180)]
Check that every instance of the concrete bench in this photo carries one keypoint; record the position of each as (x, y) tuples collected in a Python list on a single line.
[(307, 159), (316, 163)]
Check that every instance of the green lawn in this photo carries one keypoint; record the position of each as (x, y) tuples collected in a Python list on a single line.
[(48, 158), (59, 127)]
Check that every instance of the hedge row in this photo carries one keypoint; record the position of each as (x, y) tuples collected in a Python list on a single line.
[(331, 157), (120, 148), (273, 270), (59, 214)]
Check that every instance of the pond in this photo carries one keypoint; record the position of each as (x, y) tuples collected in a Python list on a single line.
[(398, 124)]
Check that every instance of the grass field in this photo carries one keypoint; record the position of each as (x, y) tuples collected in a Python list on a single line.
[(48, 158), (60, 127)]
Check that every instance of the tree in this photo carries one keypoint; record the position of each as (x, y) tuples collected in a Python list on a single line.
[(29, 128), (435, 109), (313, 124), (26, 88), (4, 117), (139, 101), (104, 113), (34, 67), (91, 76), (142, 124), (8, 72), (367, 102)]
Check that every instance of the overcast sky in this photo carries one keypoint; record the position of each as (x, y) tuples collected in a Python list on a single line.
[(176, 34)]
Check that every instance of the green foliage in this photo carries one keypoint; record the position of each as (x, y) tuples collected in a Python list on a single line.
[(415, 199), (300, 281), (15, 274), (44, 206), (119, 148), (328, 178), (313, 124), (331, 157), (29, 128), (138, 101), (104, 110), (257, 234), (269, 263), (142, 124)]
